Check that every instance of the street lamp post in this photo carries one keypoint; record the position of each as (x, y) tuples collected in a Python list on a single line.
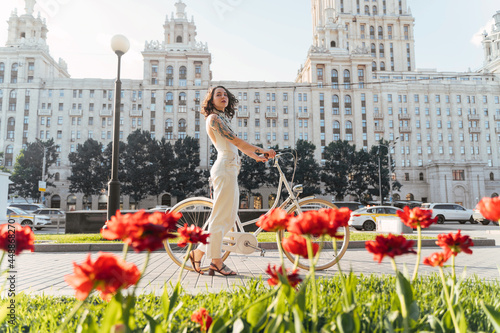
[(120, 46)]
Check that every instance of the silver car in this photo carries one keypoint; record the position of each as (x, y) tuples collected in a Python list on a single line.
[(450, 212), (55, 215)]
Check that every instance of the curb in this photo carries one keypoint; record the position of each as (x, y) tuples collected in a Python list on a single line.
[(118, 247)]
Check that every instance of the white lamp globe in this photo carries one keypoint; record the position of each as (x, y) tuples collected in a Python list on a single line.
[(120, 44)]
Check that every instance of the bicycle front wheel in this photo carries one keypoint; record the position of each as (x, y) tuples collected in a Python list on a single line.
[(194, 211), (328, 255)]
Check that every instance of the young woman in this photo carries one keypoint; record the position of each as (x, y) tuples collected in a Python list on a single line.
[(218, 109)]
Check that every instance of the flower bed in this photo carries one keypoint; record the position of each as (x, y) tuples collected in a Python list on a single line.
[(345, 303)]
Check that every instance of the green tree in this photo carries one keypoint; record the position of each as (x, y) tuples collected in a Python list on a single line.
[(308, 169), (340, 157), (89, 173), (379, 161), (29, 165), (139, 165), (358, 185), (165, 167), (188, 178)]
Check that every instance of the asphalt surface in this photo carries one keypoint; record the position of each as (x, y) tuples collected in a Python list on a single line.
[(43, 272)]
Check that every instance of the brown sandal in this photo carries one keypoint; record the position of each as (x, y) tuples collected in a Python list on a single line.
[(193, 262), (213, 269)]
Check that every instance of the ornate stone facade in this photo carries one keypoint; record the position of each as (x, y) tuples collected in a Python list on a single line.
[(359, 83)]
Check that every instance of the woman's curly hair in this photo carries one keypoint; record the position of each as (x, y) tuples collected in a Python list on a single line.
[(207, 108)]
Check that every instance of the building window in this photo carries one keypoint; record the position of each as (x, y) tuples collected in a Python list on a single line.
[(458, 175)]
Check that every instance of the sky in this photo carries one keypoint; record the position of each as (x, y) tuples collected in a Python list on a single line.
[(250, 40)]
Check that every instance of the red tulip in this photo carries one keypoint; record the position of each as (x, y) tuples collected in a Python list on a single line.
[(298, 245), (320, 222), (202, 317), (455, 243), (277, 219), (293, 278), (16, 238), (107, 274), (141, 230), (192, 234), (490, 208), (437, 259), (391, 246), (416, 217)]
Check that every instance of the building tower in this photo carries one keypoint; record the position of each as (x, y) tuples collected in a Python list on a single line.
[(491, 47), (177, 70)]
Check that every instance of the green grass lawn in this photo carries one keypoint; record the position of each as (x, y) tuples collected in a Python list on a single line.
[(263, 237)]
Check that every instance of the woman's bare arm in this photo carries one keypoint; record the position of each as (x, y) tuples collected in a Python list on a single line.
[(219, 126)]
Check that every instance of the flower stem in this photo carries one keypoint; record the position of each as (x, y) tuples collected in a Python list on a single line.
[(125, 251), (313, 281), (419, 252), (453, 268), (394, 266), (142, 271), (448, 300), (280, 250), (190, 247), (342, 277)]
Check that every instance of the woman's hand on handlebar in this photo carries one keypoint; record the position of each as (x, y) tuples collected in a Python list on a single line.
[(270, 153), (266, 155)]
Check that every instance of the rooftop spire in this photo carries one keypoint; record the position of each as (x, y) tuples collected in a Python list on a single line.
[(180, 9), (29, 6)]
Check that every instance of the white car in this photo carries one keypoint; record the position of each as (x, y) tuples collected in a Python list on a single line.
[(366, 218), (480, 218), (450, 212), (23, 218)]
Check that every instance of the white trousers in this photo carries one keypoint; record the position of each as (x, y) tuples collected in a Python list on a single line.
[(224, 176)]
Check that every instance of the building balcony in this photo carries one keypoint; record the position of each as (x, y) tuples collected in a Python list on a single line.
[(474, 129), (243, 114), (378, 116), (497, 129), (379, 129), (303, 115), (404, 116), (497, 117), (271, 114), (136, 113), (473, 117), (73, 112), (106, 113), (45, 112), (404, 129)]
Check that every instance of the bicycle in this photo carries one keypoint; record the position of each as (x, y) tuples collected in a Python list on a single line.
[(197, 210)]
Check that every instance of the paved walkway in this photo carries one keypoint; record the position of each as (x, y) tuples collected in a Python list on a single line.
[(43, 273)]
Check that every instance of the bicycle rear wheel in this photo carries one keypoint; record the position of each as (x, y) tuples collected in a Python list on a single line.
[(328, 256), (194, 211)]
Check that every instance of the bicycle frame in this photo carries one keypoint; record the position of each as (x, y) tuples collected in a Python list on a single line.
[(292, 199)]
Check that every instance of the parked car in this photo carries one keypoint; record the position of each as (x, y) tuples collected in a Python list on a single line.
[(27, 207), (352, 205), (480, 218), (54, 214), (162, 209), (23, 218), (365, 218), (450, 212)]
